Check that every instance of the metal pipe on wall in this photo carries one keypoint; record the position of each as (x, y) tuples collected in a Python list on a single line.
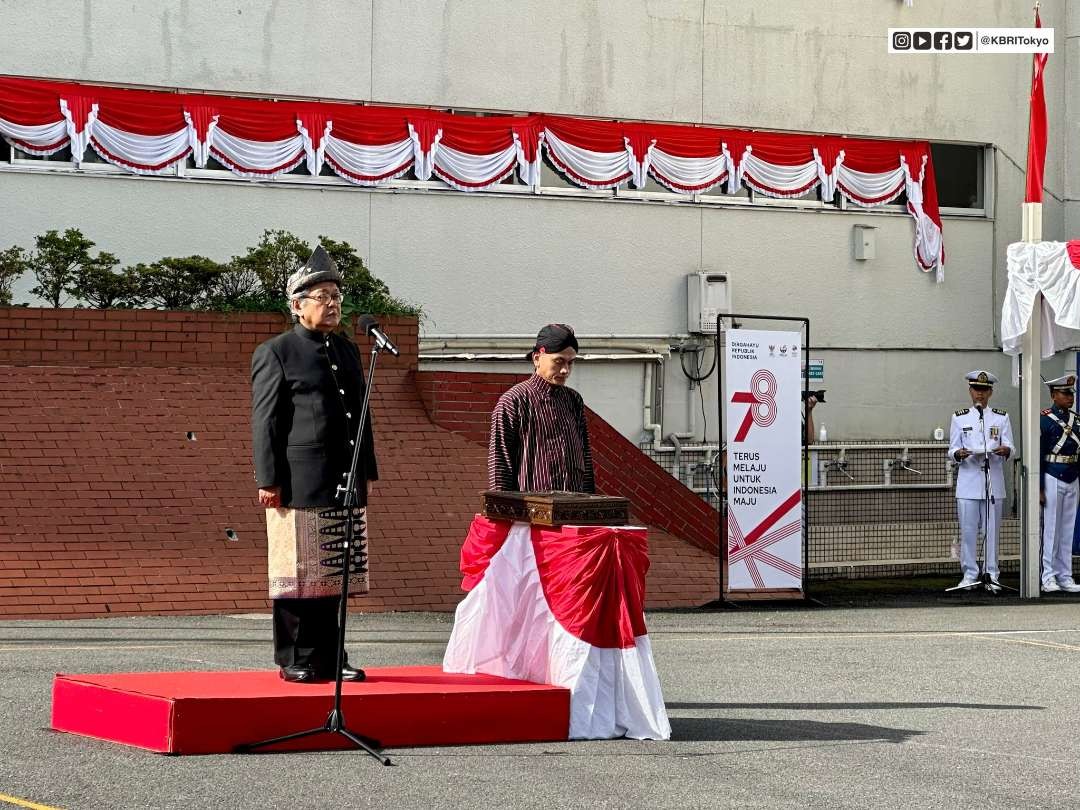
[(520, 358)]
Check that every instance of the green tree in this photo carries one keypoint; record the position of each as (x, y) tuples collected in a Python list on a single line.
[(277, 256), (238, 289), (187, 282), (98, 284), (56, 261), (13, 264)]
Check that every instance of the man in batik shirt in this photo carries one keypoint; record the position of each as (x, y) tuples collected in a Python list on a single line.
[(539, 437)]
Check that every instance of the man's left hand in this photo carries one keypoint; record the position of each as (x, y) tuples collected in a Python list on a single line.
[(1004, 452), (270, 497)]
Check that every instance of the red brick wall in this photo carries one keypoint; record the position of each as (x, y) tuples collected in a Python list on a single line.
[(107, 507)]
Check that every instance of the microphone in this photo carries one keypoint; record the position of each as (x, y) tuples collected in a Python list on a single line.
[(371, 327), (985, 451)]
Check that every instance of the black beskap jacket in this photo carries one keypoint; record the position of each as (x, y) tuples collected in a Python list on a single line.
[(306, 392)]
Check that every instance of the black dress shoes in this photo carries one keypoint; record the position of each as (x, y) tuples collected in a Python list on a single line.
[(298, 674), (350, 673)]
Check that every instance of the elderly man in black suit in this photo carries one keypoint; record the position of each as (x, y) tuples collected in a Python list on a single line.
[(307, 389)]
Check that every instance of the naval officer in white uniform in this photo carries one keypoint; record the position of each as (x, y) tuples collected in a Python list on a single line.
[(980, 440)]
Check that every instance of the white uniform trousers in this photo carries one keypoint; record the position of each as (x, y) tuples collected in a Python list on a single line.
[(1059, 520), (972, 513)]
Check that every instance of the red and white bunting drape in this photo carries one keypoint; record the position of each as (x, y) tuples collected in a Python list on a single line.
[(149, 132)]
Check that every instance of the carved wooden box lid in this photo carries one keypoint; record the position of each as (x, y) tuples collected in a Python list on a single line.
[(557, 508)]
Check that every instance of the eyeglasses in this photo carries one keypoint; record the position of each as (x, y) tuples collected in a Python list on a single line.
[(324, 298)]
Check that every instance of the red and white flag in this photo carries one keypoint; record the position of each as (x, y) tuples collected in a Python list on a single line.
[(1036, 157), (563, 606)]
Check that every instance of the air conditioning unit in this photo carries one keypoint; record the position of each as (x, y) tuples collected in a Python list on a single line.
[(708, 296)]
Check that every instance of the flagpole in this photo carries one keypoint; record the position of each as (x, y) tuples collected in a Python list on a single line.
[(1031, 379), (1030, 387)]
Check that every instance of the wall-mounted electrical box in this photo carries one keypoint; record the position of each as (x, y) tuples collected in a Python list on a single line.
[(863, 243), (708, 296)]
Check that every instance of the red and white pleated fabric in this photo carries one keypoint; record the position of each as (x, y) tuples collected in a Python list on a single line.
[(1050, 268), (563, 607), (149, 132), (369, 149)]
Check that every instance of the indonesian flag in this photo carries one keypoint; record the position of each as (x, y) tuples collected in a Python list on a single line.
[(1050, 268), (1036, 157), (563, 606)]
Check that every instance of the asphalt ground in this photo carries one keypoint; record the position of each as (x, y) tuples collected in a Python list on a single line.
[(878, 699)]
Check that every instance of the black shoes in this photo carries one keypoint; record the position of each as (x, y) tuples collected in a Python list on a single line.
[(298, 674), (349, 673)]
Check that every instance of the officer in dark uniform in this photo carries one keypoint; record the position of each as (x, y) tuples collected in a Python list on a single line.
[(307, 389), (1059, 454)]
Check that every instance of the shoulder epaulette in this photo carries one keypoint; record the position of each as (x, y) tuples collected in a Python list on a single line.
[(1000, 411), (1046, 412), (962, 411)]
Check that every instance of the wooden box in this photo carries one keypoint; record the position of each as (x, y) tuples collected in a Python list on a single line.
[(557, 508)]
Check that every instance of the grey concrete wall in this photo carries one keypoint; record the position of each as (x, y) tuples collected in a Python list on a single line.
[(500, 264), (1068, 103), (316, 48), (781, 64)]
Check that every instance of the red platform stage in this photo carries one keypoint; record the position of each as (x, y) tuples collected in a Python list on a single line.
[(213, 712)]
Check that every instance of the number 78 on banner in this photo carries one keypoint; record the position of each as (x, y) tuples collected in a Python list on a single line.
[(760, 403)]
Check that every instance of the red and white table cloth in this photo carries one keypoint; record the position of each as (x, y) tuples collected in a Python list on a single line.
[(563, 606)]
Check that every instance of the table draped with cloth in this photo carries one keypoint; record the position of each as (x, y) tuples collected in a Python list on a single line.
[(563, 606)]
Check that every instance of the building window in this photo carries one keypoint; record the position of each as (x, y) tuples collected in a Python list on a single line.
[(63, 156), (551, 177), (960, 175), (720, 193)]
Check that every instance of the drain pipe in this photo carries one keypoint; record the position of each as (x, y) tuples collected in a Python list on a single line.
[(647, 398), (691, 421), (691, 417), (674, 439)]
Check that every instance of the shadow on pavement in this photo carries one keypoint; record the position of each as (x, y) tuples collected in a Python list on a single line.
[(925, 590), (868, 705), (714, 729)]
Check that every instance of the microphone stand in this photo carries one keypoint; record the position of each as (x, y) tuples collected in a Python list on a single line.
[(962, 587), (335, 721)]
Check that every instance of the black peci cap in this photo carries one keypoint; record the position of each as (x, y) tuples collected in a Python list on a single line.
[(553, 338)]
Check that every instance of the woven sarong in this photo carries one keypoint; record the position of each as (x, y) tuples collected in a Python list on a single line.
[(306, 552)]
